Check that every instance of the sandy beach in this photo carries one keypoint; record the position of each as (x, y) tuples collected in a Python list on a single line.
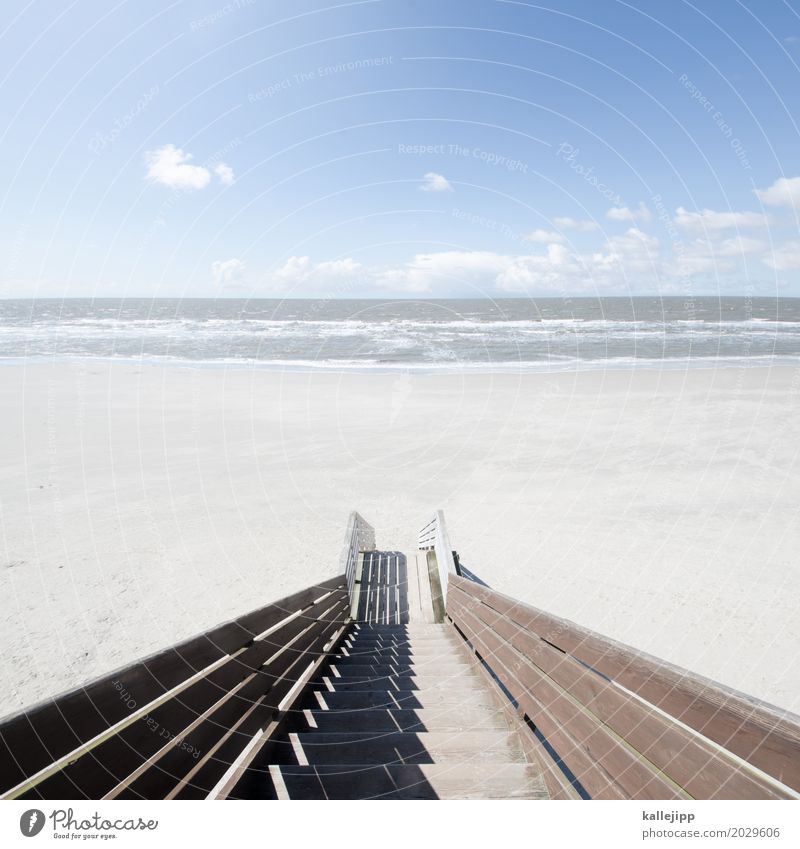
[(140, 504)]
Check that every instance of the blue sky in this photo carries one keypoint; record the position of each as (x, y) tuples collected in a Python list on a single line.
[(392, 148)]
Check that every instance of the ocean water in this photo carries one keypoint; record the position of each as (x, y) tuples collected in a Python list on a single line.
[(511, 334)]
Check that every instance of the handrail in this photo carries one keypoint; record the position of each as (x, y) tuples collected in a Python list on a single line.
[(433, 536), (168, 726), (360, 536), (607, 721)]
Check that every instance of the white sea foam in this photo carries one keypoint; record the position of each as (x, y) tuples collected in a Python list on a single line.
[(420, 335)]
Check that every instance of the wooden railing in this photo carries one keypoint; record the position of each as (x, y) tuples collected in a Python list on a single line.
[(360, 536), (178, 723), (608, 722), (433, 536)]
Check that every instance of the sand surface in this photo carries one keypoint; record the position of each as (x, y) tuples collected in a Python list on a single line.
[(142, 504)]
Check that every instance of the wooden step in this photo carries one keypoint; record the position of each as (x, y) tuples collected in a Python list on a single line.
[(443, 668), (395, 659), (421, 642), (442, 650), (359, 699), (358, 747), (407, 628), (429, 719), (422, 781), (356, 650), (458, 685)]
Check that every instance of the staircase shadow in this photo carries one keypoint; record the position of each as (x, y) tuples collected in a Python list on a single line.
[(354, 733)]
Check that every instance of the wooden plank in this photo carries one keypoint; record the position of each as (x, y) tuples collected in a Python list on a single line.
[(357, 585), (636, 776), (425, 598), (391, 605), (222, 749), (689, 761), (259, 690), (382, 720), (558, 787), (437, 597), (406, 782), (597, 781), (759, 733), (412, 584), (204, 780), (410, 700), (402, 589), (351, 748), (33, 739), (266, 688), (96, 772), (363, 599)]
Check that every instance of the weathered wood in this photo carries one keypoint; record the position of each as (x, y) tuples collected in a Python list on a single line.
[(581, 663), (687, 759), (424, 586), (502, 659), (223, 748), (225, 764), (125, 751), (397, 782), (71, 730), (377, 720), (557, 784), (266, 688)]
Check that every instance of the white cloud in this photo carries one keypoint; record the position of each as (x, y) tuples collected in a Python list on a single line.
[(630, 261), (627, 262), (709, 220), (634, 251), (300, 271), (783, 192), (740, 245), (581, 225), (623, 213), (784, 258), (543, 236), (229, 272), (551, 271), (434, 182), (716, 256), (473, 271), (172, 167), (225, 174)]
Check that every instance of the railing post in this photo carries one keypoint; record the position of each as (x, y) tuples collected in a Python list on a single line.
[(360, 536), (433, 535)]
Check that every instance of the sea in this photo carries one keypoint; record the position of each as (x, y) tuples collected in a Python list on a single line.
[(547, 334)]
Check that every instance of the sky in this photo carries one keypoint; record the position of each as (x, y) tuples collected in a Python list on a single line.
[(390, 148)]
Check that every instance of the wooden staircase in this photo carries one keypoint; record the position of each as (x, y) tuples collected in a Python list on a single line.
[(399, 712), (404, 677)]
